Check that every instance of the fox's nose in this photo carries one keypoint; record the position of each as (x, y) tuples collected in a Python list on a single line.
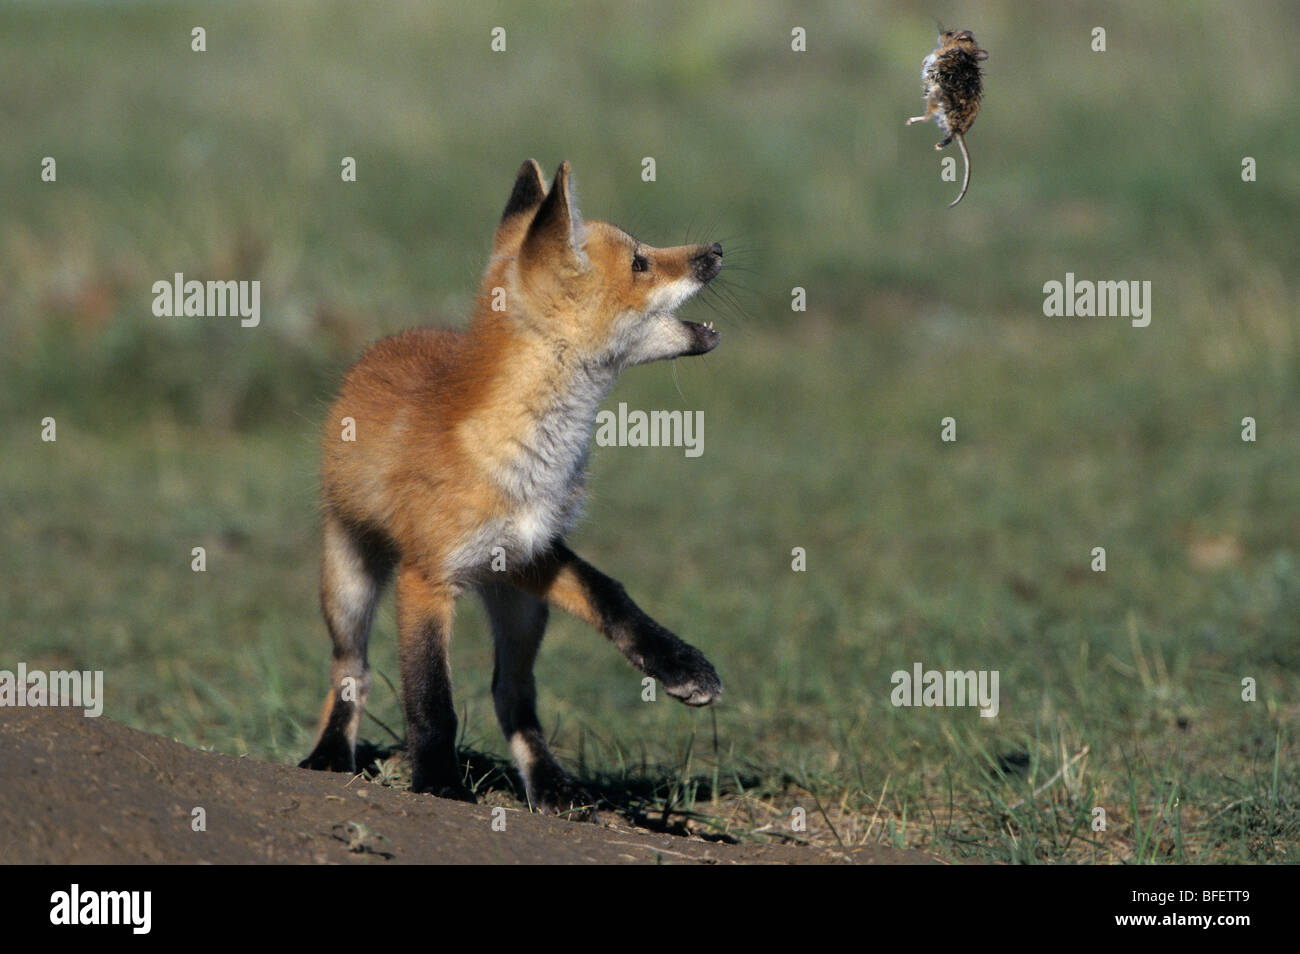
[(707, 262)]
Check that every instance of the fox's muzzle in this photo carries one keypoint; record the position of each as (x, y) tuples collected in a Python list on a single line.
[(707, 262), (703, 338)]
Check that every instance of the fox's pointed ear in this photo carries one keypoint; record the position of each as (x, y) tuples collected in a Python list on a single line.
[(556, 229), (525, 197)]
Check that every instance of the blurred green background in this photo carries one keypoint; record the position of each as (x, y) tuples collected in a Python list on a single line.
[(821, 427)]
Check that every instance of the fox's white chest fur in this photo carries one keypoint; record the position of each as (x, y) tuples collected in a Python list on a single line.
[(539, 470)]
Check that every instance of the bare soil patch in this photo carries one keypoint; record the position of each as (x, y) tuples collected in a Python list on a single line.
[(75, 790)]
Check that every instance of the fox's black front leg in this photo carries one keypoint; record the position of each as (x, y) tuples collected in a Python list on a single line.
[(565, 579)]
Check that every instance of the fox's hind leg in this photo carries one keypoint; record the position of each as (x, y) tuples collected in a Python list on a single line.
[(424, 612), (518, 622), (354, 569)]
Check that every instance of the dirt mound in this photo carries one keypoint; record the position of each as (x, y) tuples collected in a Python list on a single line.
[(89, 791)]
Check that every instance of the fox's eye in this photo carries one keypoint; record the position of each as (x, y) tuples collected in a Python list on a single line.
[(640, 263)]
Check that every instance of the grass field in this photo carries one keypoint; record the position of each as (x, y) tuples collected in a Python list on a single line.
[(822, 428)]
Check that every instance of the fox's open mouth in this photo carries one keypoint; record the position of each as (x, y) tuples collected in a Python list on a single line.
[(703, 337)]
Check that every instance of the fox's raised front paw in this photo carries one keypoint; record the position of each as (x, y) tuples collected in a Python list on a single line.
[(688, 676)]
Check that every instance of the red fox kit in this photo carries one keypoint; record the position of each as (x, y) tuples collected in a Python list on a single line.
[(469, 449)]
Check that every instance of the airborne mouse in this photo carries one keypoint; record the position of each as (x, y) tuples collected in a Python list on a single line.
[(952, 86)]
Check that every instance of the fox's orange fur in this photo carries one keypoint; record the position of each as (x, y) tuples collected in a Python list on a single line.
[(469, 452)]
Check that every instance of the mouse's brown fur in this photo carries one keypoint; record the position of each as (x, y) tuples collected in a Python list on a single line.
[(952, 86)]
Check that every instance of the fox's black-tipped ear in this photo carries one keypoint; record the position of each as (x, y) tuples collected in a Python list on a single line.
[(529, 190), (555, 228), (525, 197)]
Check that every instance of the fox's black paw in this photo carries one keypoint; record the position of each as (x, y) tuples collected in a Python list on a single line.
[(442, 787), (551, 791), (688, 676), (331, 755), (456, 792)]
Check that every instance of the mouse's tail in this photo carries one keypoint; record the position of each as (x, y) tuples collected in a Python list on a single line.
[(965, 179)]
